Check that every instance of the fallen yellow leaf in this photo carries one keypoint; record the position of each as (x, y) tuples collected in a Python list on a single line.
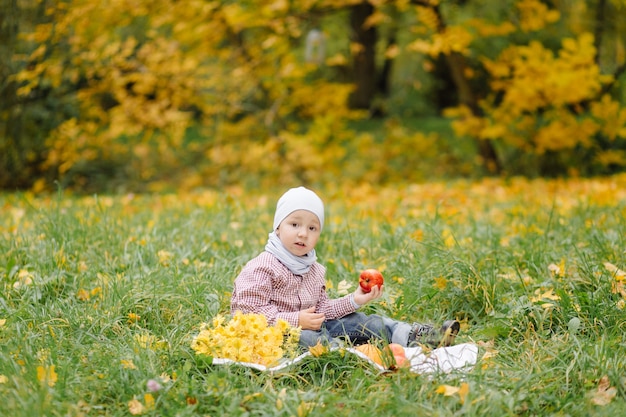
[(318, 350), (447, 390), (305, 408), (617, 273), (463, 391), (135, 407), (280, 399), (547, 295), (605, 392), (618, 287), (344, 287)]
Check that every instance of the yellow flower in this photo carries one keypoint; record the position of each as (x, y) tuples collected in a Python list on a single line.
[(399, 280), (283, 325), (448, 238), (128, 364), (218, 320), (133, 318), (440, 283), (230, 330), (82, 295), (165, 257), (47, 375), (149, 400), (246, 338)]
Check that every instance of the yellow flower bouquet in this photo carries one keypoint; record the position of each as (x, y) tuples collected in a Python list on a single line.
[(246, 338)]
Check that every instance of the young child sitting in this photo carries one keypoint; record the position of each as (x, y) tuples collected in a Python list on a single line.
[(286, 282)]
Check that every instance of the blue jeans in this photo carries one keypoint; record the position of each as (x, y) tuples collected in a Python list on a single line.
[(357, 328)]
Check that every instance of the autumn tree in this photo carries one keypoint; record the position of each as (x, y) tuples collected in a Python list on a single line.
[(149, 74), (547, 107), (218, 92), (463, 48), (16, 148)]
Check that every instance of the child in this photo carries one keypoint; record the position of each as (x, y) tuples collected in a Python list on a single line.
[(286, 282)]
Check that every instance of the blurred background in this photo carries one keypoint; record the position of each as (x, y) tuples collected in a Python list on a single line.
[(158, 95)]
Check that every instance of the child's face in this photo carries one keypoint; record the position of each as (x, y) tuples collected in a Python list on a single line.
[(299, 232)]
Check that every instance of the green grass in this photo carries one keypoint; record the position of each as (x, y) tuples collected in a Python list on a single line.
[(110, 291)]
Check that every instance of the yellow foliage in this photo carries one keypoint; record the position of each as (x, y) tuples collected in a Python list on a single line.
[(564, 131), (535, 15), (150, 72), (539, 90), (147, 70), (375, 19), (449, 40), (612, 157), (487, 29), (610, 116), (427, 16)]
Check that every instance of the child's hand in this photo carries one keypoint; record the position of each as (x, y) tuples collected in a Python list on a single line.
[(310, 320), (362, 298)]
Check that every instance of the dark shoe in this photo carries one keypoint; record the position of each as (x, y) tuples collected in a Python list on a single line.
[(426, 334)]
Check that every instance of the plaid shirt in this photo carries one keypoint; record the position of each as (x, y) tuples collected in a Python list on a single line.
[(266, 286)]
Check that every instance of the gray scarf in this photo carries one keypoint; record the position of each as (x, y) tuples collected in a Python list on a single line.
[(299, 265)]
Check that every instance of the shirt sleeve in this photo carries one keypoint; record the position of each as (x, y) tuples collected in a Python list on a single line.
[(254, 293), (265, 286), (335, 308)]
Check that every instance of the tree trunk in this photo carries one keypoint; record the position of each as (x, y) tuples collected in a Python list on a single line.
[(603, 15), (456, 65), (10, 158), (599, 28), (364, 64), (384, 85)]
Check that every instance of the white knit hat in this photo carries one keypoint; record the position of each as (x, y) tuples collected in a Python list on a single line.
[(298, 199)]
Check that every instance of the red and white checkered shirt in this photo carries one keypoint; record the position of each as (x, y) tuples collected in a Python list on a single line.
[(266, 286)]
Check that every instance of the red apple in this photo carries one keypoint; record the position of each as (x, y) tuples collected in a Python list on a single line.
[(399, 355), (369, 278), (402, 361), (396, 349), (395, 357)]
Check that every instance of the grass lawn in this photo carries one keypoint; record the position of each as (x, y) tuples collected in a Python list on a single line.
[(101, 296)]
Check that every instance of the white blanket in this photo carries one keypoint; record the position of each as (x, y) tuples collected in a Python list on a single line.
[(442, 360)]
